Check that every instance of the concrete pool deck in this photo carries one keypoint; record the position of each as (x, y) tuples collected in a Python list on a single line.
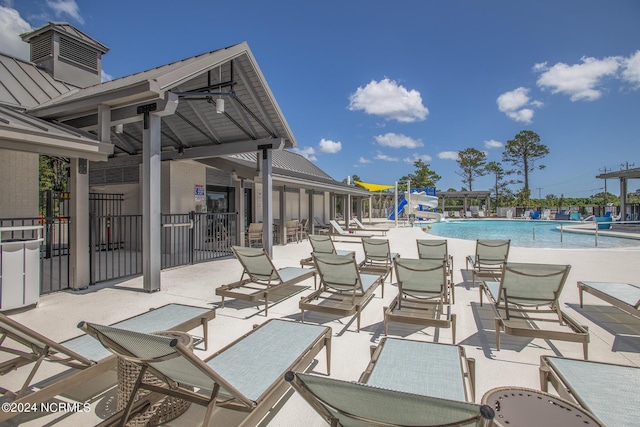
[(614, 335)]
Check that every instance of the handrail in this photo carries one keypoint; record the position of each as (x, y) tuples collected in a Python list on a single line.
[(181, 224)]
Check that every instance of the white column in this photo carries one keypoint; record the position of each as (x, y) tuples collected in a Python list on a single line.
[(267, 202), (79, 276), (151, 210)]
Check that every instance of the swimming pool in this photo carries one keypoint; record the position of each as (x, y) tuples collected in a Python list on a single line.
[(521, 233)]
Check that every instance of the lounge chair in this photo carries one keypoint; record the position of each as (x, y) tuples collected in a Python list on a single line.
[(407, 383), (247, 375), (378, 257), (535, 215), (291, 227), (489, 258), (362, 227), (262, 277), (606, 390), (343, 289), (82, 352), (339, 231), (320, 227), (422, 295), (322, 244), (254, 234), (468, 214), (622, 295), (546, 214), (303, 229), (526, 296), (437, 250)]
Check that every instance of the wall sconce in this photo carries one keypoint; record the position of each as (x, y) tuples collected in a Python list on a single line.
[(119, 128), (219, 105)]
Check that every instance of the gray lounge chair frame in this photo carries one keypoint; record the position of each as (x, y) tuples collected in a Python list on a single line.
[(404, 384), (262, 277), (528, 294), (83, 352), (338, 231), (438, 250), (488, 260), (360, 226), (606, 390), (378, 257), (422, 295), (624, 296), (343, 290), (246, 375), (322, 244)]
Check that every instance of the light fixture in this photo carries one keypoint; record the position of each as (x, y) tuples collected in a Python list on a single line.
[(119, 128), (219, 105)]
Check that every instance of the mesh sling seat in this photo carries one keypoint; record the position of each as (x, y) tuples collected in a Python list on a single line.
[(422, 295), (247, 375), (378, 257), (608, 391), (83, 352), (488, 260), (528, 295), (624, 296), (322, 244), (407, 383), (262, 277), (438, 250), (343, 289)]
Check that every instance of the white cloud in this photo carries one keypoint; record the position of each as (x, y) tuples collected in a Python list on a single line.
[(579, 81), (104, 77), (306, 152), (382, 156), (398, 140), (631, 69), (411, 160), (513, 104), (388, 99), (66, 7), (363, 160), (11, 26), (492, 143), (448, 155), (328, 146)]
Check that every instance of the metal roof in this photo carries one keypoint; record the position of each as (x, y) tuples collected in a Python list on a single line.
[(464, 194), (626, 173), (251, 111), (23, 84), (288, 167), (22, 132)]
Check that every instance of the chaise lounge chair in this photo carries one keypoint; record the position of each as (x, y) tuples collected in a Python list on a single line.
[(362, 227), (262, 277), (407, 383), (422, 295), (247, 375), (322, 244), (622, 295), (82, 352), (343, 289), (339, 231), (608, 391), (529, 294), (437, 250), (489, 259), (378, 257)]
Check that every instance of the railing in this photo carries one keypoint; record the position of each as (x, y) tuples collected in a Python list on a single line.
[(595, 227)]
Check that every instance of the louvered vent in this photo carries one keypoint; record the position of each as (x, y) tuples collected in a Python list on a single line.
[(41, 48), (79, 54)]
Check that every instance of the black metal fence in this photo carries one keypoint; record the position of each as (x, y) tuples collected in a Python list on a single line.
[(116, 242)]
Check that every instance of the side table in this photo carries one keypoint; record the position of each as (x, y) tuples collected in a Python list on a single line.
[(167, 408), (523, 407)]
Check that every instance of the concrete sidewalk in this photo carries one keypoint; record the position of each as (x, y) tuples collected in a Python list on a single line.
[(615, 336)]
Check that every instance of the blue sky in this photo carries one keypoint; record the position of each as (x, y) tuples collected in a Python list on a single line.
[(369, 86)]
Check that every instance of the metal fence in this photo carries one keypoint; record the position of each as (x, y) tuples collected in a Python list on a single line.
[(116, 242)]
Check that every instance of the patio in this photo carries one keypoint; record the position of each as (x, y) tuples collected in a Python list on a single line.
[(614, 335)]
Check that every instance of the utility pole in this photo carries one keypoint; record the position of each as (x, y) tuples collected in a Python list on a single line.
[(605, 170), (626, 165), (539, 195)]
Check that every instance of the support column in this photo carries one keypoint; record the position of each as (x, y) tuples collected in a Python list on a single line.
[(267, 202), (623, 199), (238, 185), (151, 210), (79, 273)]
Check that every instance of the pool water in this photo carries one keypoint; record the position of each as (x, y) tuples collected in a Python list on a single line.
[(521, 233)]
